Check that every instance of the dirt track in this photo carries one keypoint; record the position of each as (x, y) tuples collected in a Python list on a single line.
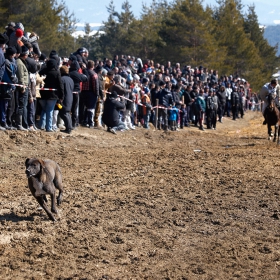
[(145, 205)]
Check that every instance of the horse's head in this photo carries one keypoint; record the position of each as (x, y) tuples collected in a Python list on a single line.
[(271, 101)]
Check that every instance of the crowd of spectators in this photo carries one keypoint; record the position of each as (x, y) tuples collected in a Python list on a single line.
[(53, 92)]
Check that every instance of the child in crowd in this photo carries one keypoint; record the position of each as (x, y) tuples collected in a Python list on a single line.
[(146, 110), (173, 117)]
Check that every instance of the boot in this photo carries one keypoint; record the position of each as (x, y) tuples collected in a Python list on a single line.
[(19, 123), (201, 127)]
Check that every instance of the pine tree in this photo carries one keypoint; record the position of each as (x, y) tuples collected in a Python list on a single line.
[(186, 33), (65, 30), (143, 33), (242, 57), (109, 39), (266, 52)]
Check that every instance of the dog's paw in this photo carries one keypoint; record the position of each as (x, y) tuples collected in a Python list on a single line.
[(54, 210)]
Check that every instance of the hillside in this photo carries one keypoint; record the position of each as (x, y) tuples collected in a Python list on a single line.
[(272, 34)]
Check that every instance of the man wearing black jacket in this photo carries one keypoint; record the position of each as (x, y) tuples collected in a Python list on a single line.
[(90, 93), (165, 99), (111, 110), (77, 79), (193, 110), (188, 100), (234, 103)]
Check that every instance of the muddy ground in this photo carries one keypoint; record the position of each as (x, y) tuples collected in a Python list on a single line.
[(145, 205)]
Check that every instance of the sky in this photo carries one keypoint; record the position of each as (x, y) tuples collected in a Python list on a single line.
[(93, 11)]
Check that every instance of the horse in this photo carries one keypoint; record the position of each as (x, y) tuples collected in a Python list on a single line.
[(272, 116)]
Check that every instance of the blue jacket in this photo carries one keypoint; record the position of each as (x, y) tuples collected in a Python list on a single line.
[(200, 104), (173, 114)]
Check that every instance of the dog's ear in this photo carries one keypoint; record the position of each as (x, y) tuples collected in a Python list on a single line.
[(42, 163), (26, 161)]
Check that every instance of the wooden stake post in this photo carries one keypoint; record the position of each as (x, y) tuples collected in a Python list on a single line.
[(156, 121)]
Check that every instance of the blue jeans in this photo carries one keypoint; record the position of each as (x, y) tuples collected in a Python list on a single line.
[(3, 110), (31, 113), (146, 120), (47, 113), (120, 126)]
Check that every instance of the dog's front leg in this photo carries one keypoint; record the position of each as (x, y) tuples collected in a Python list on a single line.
[(53, 208), (44, 206)]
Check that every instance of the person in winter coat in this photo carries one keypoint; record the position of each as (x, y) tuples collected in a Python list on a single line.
[(267, 89), (146, 101), (242, 101), (221, 94), (90, 94), (173, 117), (228, 98), (211, 109), (50, 97), (68, 86), (32, 67), (188, 100), (122, 91), (193, 110), (164, 100), (77, 78), (7, 91), (176, 95), (110, 115), (200, 109), (100, 99), (234, 103), (82, 57), (18, 37), (22, 93)]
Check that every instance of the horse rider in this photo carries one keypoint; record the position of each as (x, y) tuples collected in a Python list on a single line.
[(268, 88)]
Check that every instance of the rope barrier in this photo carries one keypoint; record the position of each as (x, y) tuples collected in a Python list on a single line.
[(139, 103), (17, 85)]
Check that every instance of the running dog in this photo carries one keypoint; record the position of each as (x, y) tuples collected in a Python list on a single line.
[(44, 177)]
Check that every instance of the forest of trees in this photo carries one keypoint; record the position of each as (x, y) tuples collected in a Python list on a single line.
[(222, 38)]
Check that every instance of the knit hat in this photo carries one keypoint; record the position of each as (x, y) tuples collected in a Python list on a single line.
[(98, 68), (12, 24), (53, 54), (24, 50), (42, 57), (20, 25), (19, 33), (11, 51), (104, 72), (145, 80), (51, 64), (72, 57), (161, 83), (3, 38)]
